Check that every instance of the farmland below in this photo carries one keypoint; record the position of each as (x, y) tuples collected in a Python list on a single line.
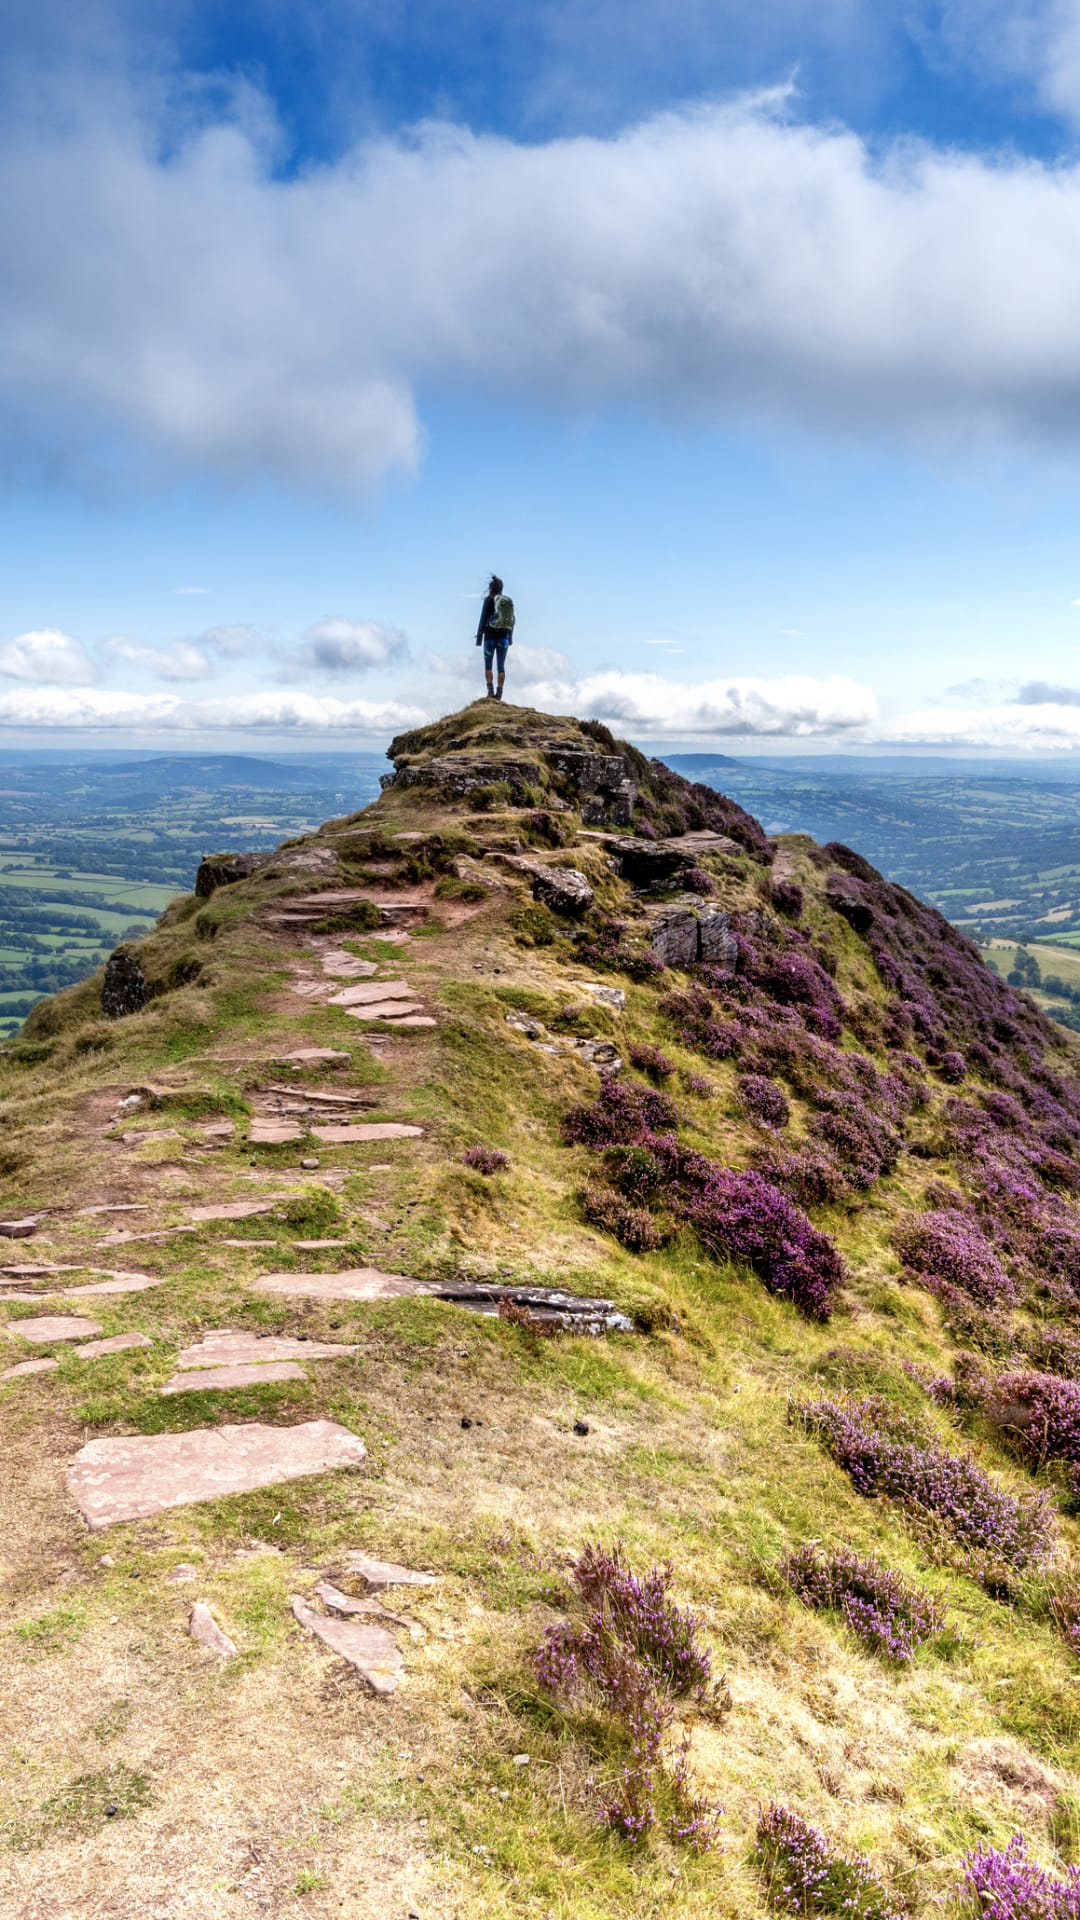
[(995, 848), (92, 849)]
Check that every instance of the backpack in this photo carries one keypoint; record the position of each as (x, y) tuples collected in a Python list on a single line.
[(502, 618)]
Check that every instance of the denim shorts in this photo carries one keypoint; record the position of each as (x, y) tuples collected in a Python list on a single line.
[(495, 645)]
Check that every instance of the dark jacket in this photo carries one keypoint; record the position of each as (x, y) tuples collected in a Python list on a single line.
[(487, 612)]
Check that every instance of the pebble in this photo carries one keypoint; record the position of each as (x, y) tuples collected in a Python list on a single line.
[(521, 1759), (309, 1163)]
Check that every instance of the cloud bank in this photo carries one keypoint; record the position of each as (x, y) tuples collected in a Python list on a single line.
[(719, 264)]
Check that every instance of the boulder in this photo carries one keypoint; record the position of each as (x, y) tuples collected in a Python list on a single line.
[(564, 890), (674, 934), (843, 898), (650, 863), (225, 869), (125, 988), (716, 942)]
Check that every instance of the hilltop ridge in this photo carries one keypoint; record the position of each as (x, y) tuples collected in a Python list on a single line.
[(555, 1158)]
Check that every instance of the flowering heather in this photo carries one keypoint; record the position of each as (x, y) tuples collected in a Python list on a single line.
[(696, 880), (694, 1016), (634, 1227), (1006, 1884), (810, 1174), (745, 1215), (787, 898), (865, 1144), (887, 1613), (882, 1452), (763, 1100), (953, 1067), (805, 1876), (947, 1246), (622, 1114), (634, 1655), (649, 1059), (1038, 1413), (699, 1085), (606, 948), (485, 1159)]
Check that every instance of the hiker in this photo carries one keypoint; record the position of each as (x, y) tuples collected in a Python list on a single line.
[(496, 631)]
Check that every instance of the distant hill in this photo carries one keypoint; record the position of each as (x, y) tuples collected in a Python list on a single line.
[(692, 765)]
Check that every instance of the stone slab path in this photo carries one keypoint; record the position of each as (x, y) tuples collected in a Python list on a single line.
[(53, 1326), (220, 1379), (116, 1343), (379, 1574), (222, 1347), (355, 1283), (366, 1645), (134, 1476), (29, 1366), (120, 1283)]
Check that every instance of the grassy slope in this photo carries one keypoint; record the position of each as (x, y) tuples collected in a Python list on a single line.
[(278, 1785)]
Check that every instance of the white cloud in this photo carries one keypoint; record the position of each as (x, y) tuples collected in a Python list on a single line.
[(231, 641), (720, 263), (46, 654), (180, 661), (1047, 728), (655, 707), (351, 646), (91, 709)]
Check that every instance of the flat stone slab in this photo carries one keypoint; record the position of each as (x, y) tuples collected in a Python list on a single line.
[(273, 1133), (47, 1327), (347, 966), (29, 1366), (120, 1206), (121, 1283), (20, 1229), (377, 1574), (313, 1056), (385, 1010), (363, 1643), (347, 1604), (204, 1628), (406, 1020), (131, 1477), (373, 991), (232, 1210), (221, 1347), (221, 1379), (341, 1135), (354, 1283), (116, 1343)]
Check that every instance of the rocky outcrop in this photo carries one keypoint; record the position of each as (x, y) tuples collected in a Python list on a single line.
[(680, 936), (125, 988), (464, 776), (564, 890), (225, 869)]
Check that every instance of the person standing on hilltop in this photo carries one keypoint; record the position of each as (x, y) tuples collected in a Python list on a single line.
[(495, 633)]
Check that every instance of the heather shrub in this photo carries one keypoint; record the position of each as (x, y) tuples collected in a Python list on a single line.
[(1004, 1883), (634, 1227), (953, 1068), (606, 948), (803, 1875), (699, 1085), (1037, 1414), (888, 1614), (485, 1159), (696, 880), (865, 1144), (763, 1100), (946, 1247), (649, 1059), (633, 1654), (622, 1114), (694, 1017), (884, 1452), (787, 898), (745, 1215)]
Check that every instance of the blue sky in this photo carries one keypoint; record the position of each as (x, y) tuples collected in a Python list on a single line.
[(744, 344)]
